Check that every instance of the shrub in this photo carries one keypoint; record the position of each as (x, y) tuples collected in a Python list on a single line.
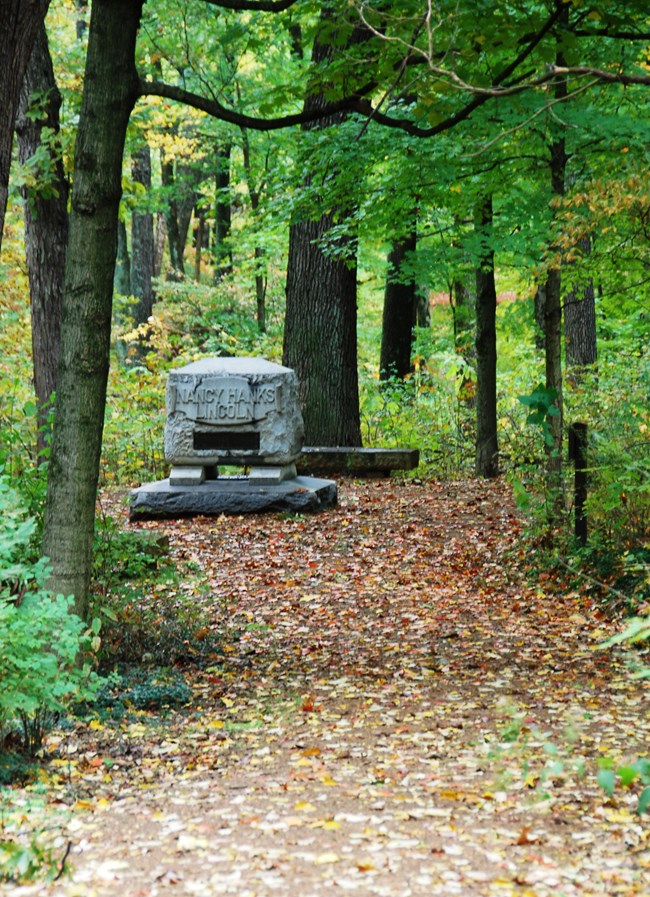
[(46, 651)]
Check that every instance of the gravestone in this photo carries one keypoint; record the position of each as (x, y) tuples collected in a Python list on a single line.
[(232, 411)]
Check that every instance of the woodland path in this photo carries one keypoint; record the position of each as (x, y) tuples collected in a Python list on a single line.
[(397, 713)]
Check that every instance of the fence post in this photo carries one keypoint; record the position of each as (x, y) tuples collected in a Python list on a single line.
[(578, 454)]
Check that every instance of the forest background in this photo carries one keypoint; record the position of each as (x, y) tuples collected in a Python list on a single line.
[(347, 189)]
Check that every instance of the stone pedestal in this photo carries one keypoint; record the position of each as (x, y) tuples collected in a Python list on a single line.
[(232, 411), (241, 411)]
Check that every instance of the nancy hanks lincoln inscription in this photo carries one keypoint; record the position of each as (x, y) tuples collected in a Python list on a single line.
[(225, 401)]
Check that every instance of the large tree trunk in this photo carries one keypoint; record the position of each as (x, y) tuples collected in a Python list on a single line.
[(487, 447), (399, 313), (46, 228), (19, 24), (320, 331), (110, 89), (320, 336), (142, 242)]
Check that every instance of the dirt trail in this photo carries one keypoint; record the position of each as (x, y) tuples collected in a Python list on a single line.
[(397, 713)]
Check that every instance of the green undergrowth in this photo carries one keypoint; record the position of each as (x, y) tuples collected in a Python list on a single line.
[(136, 688)]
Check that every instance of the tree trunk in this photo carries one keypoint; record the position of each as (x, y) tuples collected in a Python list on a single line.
[(400, 307), (110, 89), (19, 25), (580, 344), (320, 331), (122, 279), (254, 191), (186, 202), (46, 228), (260, 289), (222, 214), (464, 316), (553, 312), (142, 243), (160, 233), (320, 339), (553, 364), (171, 217), (487, 447), (199, 237), (423, 308)]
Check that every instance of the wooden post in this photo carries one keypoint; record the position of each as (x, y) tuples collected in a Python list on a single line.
[(578, 454)]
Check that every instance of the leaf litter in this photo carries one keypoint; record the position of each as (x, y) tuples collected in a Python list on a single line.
[(396, 712)]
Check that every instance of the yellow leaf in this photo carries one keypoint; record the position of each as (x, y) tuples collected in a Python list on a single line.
[(326, 858), (618, 816), (304, 806), (95, 724), (329, 825)]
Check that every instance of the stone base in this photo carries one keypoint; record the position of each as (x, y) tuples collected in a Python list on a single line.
[(270, 475), (186, 476), (236, 495)]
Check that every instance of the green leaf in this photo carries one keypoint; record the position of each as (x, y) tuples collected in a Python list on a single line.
[(607, 780), (627, 774), (644, 801)]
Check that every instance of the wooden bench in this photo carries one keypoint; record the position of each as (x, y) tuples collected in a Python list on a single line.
[(358, 461)]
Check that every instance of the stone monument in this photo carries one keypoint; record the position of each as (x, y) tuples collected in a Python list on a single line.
[(232, 411)]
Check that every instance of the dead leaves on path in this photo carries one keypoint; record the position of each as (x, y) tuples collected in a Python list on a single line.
[(395, 711)]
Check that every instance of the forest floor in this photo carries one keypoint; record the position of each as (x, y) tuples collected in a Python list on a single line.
[(396, 711)]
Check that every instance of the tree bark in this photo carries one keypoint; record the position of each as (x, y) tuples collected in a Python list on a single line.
[(222, 214), (122, 279), (176, 260), (260, 289), (553, 309), (46, 228), (199, 238), (186, 202), (20, 21), (110, 89), (320, 331), (320, 336), (254, 191), (142, 242), (580, 344), (553, 367), (399, 313), (540, 316), (487, 447)]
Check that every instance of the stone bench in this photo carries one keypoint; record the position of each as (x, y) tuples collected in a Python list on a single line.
[(357, 460)]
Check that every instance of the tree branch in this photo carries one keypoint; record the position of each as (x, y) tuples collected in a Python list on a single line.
[(217, 110), (600, 74)]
